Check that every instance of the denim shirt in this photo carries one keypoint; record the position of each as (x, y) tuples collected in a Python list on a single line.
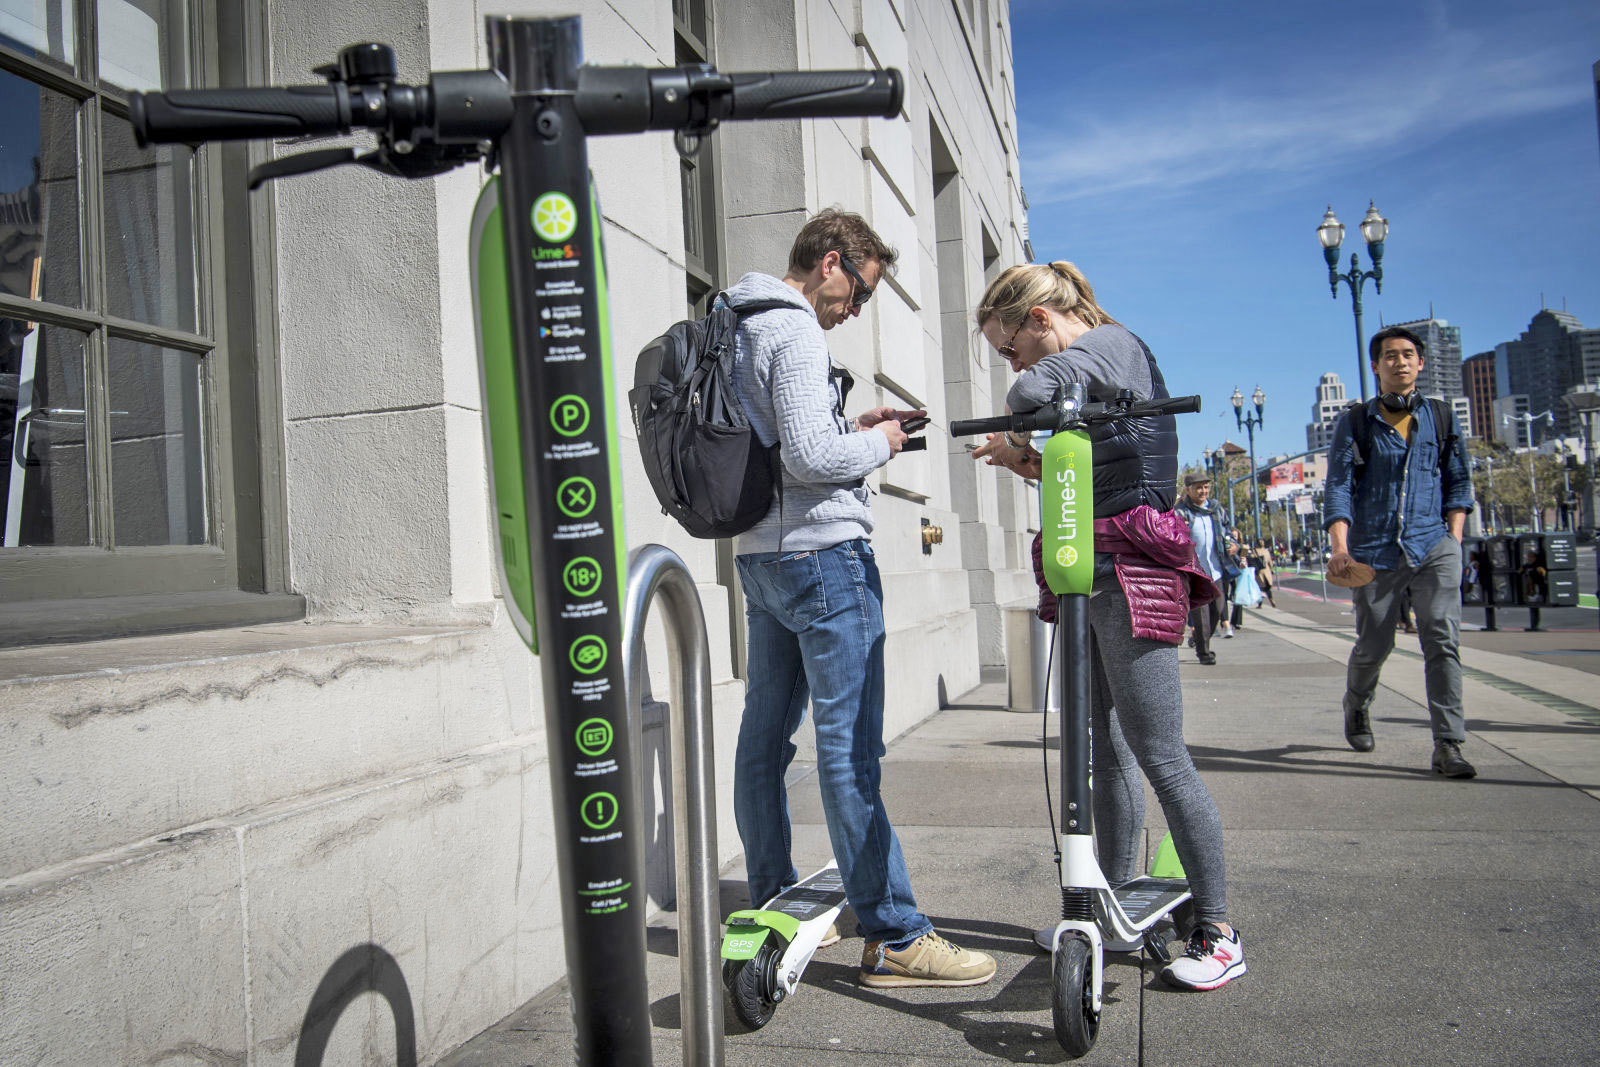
[(1401, 500)]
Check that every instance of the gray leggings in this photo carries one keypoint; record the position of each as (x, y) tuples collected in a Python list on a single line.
[(1138, 706)]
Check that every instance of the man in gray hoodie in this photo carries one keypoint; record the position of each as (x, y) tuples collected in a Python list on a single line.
[(814, 603)]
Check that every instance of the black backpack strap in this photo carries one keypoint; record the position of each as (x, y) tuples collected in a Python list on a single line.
[(1360, 437), (1444, 420)]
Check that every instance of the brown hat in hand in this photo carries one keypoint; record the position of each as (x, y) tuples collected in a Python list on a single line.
[(1355, 575)]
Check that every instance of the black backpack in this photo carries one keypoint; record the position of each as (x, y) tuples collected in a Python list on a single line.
[(708, 468), (1361, 433)]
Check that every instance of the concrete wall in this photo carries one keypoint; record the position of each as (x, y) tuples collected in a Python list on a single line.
[(206, 830)]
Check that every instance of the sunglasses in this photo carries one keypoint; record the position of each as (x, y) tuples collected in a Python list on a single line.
[(1006, 350), (863, 291)]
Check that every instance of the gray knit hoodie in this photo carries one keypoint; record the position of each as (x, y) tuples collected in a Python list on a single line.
[(780, 373)]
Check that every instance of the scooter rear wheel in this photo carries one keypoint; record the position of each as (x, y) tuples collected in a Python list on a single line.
[(752, 986), (1072, 997)]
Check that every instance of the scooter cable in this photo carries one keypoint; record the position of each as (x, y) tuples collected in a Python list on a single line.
[(1044, 741)]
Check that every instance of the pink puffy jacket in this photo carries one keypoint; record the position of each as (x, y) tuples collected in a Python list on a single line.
[(1155, 564)]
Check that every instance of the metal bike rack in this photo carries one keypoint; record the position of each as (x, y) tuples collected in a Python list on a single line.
[(652, 570)]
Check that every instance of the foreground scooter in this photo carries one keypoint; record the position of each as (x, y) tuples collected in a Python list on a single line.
[(1091, 911), (540, 290)]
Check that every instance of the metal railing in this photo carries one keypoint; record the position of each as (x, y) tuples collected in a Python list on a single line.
[(654, 570)]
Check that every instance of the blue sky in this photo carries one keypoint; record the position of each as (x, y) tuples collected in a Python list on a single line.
[(1182, 155)]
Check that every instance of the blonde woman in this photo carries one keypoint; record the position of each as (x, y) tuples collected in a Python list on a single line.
[(1046, 323)]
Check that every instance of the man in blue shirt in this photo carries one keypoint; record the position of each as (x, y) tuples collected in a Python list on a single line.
[(1205, 529), (1395, 503)]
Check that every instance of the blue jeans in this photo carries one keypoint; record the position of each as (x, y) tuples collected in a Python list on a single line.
[(815, 624)]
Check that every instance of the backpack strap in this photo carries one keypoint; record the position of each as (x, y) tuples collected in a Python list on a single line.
[(1444, 417), (1360, 437)]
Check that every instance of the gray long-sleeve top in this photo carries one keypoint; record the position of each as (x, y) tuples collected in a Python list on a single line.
[(780, 374)]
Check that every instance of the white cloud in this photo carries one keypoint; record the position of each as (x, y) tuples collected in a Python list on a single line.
[(1390, 103)]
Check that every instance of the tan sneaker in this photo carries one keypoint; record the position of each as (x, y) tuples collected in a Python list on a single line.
[(929, 960), (831, 937)]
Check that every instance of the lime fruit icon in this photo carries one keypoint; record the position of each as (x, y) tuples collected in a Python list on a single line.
[(1066, 555), (554, 217)]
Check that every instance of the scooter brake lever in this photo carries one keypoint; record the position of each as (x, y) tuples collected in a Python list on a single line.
[(300, 163)]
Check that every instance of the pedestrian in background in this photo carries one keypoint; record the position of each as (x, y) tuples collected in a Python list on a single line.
[(1205, 529), (1236, 566), (1265, 578), (1397, 498)]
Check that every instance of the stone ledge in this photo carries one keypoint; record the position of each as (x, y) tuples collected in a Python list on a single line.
[(58, 662)]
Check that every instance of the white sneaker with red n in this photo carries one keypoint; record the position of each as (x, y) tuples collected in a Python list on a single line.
[(1212, 959)]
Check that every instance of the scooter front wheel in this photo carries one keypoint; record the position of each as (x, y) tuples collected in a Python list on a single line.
[(752, 986), (1072, 997)]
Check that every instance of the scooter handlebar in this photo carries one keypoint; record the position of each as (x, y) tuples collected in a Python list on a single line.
[(973, 427), (817, 94), (455, 107), (1172, 405), (188, 116), (1045, 418)]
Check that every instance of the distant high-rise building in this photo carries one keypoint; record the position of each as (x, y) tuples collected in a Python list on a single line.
[(1441, 356), (1553, 354), (1330, 403), (1477, 381)]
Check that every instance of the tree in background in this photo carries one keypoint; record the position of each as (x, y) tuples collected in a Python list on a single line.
[(1503, 482)]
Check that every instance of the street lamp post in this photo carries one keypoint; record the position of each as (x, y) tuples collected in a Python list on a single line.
[(1249, 423), (1375, 228), (1491, 506), (1217, 466), (1535, 519), (1586, 401), (1322, 536)]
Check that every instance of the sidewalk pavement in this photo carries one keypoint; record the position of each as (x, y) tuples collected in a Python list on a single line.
[(1389, 916)]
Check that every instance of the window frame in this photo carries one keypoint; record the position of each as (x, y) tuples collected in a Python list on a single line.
[(240, 573)]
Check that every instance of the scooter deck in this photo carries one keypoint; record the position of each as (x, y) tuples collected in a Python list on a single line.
[(811, 897), (1143, 897)]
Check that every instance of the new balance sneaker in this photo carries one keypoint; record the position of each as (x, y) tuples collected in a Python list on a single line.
[(929, 960), (1213, 959), (831, 937)]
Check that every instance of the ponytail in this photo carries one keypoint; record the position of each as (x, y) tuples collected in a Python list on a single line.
[(1059, 286)]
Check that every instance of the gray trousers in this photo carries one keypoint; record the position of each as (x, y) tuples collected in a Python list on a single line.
[(1137, 723), (1435, 586)]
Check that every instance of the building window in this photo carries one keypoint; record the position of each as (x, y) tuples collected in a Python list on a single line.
[(118, 442)]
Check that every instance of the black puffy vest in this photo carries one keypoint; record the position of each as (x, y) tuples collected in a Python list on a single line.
[(1136, 460)]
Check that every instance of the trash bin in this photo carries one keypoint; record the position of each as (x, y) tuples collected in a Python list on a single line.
[(1027, 654)]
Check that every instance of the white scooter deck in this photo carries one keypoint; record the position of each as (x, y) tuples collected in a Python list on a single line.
[(800, 916)]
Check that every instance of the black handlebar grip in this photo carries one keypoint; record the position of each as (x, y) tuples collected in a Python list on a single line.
[(972, 427), (189, 116), (1172, 405), (812, 94)]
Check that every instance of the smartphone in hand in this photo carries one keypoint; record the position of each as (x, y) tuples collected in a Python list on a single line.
[(916, 425)]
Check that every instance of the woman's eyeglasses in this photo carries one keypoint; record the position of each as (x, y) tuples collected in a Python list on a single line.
[(1006, 350), (863, 291)]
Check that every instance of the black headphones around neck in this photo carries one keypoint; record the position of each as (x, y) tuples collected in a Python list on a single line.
[(1396, 402)]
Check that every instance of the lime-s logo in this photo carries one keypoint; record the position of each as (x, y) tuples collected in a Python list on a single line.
[(1066, 555), (554, 217)]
